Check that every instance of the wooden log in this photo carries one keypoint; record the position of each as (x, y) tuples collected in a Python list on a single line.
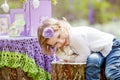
[(70, 71), (67, 71), (7, 73)]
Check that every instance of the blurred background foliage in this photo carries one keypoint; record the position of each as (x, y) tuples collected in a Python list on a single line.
[(102, 14), (96, 11)]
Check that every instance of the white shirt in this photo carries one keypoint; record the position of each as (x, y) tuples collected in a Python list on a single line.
[(84, 39)]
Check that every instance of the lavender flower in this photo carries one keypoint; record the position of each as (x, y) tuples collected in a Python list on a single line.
[(48, 32)]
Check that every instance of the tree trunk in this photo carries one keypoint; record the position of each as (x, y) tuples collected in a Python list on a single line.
[(67, 71), (7, 73), (70, 71)]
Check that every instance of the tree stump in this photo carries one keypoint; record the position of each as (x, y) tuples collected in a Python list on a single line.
[(67, 71), (70, 71), (7, 73)]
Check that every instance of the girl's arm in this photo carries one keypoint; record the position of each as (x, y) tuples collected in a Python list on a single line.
[(81, 47)]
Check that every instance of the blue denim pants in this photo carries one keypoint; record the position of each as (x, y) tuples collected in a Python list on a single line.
[(112, 64)]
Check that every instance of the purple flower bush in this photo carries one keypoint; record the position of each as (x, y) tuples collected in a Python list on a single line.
[(48, 32)]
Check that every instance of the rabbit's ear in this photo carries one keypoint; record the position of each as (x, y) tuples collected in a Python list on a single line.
[(64, 18)]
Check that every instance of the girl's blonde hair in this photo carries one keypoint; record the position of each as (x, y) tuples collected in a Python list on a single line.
[(56, 25)]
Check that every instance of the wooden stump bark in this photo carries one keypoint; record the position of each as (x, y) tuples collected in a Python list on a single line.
[(7, 73), (70, 71), (67, 71)]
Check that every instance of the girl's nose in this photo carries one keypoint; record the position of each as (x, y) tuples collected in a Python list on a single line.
[(60, 43)]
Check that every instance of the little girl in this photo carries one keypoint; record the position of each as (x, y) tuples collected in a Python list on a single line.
[(82, 44)]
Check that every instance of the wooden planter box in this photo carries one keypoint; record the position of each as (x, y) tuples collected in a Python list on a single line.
[(69, 71), (7, 73)]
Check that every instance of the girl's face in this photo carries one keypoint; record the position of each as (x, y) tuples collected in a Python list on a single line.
[(59, 39)]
